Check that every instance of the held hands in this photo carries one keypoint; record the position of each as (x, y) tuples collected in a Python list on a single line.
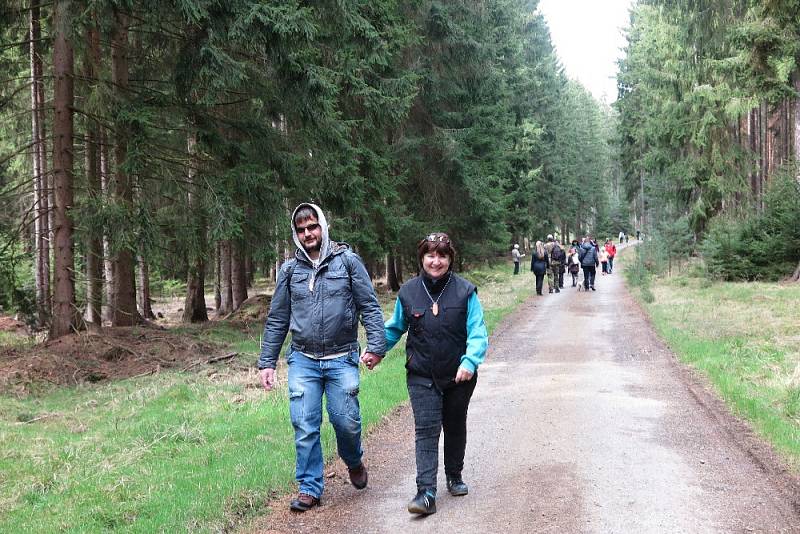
[(370, 359), (267, 378), (463, 375)]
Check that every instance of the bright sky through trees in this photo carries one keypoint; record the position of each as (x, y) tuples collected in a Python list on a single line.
[(588, 35)]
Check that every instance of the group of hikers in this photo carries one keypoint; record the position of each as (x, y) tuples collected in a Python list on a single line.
[(551, 260), (320, 296)]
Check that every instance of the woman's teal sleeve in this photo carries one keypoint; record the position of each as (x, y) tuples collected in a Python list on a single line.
[(396, 326), (477, 335)]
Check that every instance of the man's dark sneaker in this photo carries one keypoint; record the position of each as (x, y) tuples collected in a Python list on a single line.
[(303, 503), (358, 476), (593, 289), (424, 503), (551, 290), (456, 486), (558, 290)]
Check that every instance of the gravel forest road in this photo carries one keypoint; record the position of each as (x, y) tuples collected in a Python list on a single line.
[(582, 421)]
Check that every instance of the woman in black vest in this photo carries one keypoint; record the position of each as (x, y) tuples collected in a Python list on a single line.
[(446, 343)]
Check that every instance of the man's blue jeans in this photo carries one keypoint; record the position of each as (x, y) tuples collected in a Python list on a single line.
[(338, 380)]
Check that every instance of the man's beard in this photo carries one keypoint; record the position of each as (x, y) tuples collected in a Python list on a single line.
[(313, 248)]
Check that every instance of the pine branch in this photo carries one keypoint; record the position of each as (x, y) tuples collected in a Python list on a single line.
[(20, 11), (7, 46)]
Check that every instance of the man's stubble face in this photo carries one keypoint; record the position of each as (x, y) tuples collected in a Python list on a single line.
[(310, 234)]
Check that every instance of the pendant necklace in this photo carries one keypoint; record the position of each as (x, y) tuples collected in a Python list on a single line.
[(435, 303)]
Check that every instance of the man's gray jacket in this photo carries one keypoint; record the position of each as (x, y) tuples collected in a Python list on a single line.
[(321, 306)]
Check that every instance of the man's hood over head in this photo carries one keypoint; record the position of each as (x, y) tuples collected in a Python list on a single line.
[(325, 248)]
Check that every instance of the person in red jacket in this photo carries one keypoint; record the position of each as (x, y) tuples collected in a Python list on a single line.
[(611, 249)]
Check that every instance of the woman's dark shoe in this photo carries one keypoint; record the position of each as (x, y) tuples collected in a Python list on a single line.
[(304, 502), (424, 503), (456, 486)]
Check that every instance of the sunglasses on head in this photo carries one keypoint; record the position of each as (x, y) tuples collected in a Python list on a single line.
[(438, 238)]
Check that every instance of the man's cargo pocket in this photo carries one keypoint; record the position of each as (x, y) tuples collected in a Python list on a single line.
[(296, 408)]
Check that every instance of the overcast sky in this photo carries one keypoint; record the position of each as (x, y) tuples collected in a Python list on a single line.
[(589, 39)]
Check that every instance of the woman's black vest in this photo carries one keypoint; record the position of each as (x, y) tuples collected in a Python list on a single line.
[(436, 343)]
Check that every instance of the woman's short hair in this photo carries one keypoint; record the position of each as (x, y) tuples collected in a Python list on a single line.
[(436, 242)]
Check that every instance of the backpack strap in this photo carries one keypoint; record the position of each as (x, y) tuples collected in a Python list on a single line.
[(289, 274)]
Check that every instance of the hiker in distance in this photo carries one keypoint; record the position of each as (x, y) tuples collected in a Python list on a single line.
[(319, 295), (556, 256), (515, 255), (540, 264), (447, 341), (611, 249), (587, 253), (574, 262)]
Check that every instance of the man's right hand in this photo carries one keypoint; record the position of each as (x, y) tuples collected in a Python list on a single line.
[(267, 378)]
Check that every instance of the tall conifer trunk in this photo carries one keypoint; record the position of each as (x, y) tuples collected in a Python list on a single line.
[(194, 308), (217, 278), (226, 290), (108, 264), (796, 144), (125, 313), (391, 273), (64, 310), (94, 247), (238, 275), (143, 288), (41, 231)]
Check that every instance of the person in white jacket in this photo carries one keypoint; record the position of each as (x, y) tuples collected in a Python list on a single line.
[(515, 255)]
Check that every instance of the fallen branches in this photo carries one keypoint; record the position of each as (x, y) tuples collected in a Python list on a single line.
[(213, 359)]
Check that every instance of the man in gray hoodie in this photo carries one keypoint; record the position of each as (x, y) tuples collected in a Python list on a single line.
[(319, 296)]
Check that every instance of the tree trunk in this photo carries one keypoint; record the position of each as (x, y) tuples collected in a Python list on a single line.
[(238, 277), (217, 278), (762, 154), (391, 273), (64, 308), (796, 274), (226, 289), (250, 269), (41, 231), (796, 125), (194, 307), (143, 289), (398, 269), (108, 265), (46, 190), (125, 313), (94, 247)]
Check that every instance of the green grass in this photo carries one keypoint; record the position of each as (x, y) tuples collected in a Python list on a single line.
[(176, 452), (745, 337), (13, 339)]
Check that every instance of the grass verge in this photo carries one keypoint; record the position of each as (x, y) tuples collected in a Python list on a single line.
[(177, 452), (745, 337)]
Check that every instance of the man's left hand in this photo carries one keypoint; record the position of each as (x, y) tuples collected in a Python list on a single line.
[(370, 359), (463, 375)]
